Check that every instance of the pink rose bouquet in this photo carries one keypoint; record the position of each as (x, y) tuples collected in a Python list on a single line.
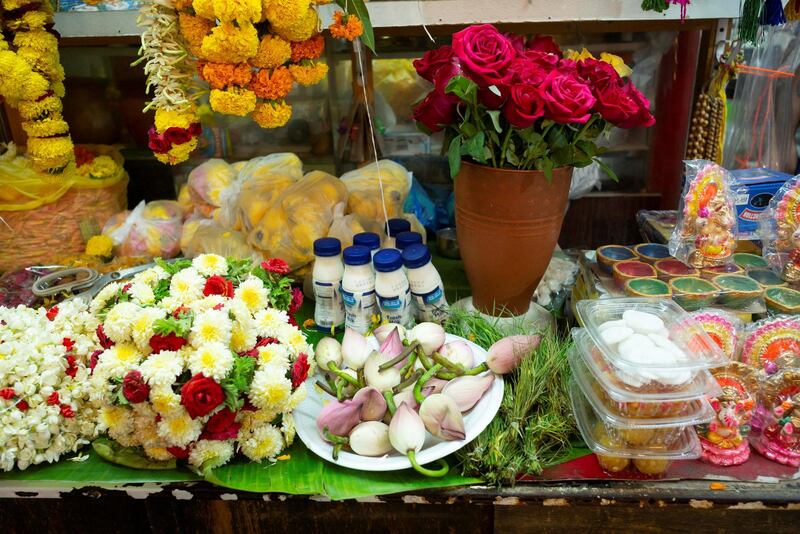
[(512, 103)]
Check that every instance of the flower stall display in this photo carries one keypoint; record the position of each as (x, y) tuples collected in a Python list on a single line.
[(200, 359), (518, 116), (45, 405)]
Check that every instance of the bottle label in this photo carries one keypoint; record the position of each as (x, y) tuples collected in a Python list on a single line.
[(329, 308), (396, 308), (358, 310), (430, 306)]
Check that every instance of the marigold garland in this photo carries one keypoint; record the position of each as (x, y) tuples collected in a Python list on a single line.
[(345, 26), (272, 114), (309, 73), (273, 51), (233, 101), (297, 30), (229, 43), (272, 85), (311, 48), (194, 30), (222, 75)]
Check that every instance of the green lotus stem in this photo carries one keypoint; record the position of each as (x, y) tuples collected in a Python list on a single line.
[(399, 358), (446, 375), (324, 387), (409, 366), (457, 368), (407, 382), (389, 396), (478, 369), (340, 389), (336, 448), (421, 382), (412, 457), (344, 376), (426, 363)]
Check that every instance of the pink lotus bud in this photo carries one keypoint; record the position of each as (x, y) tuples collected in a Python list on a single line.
[(508, 353), (339, 417), (355, 349), (458, 352), (373, 405), (466, 391), (383, 331), (406, 431), (392, 346), (442, 417), (436, 385)]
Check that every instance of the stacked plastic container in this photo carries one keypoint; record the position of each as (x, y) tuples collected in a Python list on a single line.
[(641, 381)]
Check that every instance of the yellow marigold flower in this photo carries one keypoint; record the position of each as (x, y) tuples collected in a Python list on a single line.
[(309, 74), (38, 40), (103, 167), (204, 8), (619, 65), (100, 245), (234, 101), (32, 20), (37, 109), (297, 29), (178, 153), (182, 5), (273, 51), (345, 26), (272, 114), (19, 82), (47, 127), (167, 119), (578, 56), (240, 11), (50, 153), (272, 85), (10, 5), (230, 44), (286, 11), (58, 89), (194, 29)]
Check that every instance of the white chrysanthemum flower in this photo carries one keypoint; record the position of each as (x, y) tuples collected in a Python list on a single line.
[(144, 426), (211, 453), (142, 327), (150, 277), (274, 355), (161, 369), (141, 294), (119, 359), (119, 320), (179, 429), (252, 293), (213, 360), (288, 428), (187, 286), (116, 419), (163, 399), (270, 389), (210, 264), (103, 297), (269, 322), (251, 420), (263, 442), (298, 396), (212, 326), (208, 303), (160, 454), (243, 336)]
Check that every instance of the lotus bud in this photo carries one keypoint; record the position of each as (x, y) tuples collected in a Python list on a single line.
[(392, 346), (506, 354), (349, 389), (370, 438), (436, 385), (442, 417), (466, 391), (328, 350), (406, 431), (383, 331), (380, 380), (355, 349), (458, 352), (429, 335), (339, 417), (373, 405)]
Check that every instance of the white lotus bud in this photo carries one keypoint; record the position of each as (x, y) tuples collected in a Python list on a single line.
[(328, 350), (383, 331), (380, 380), (430, 336), (355, 349), (441, 417), (458, 352), (370, 438), (466, 391), (406, 431)]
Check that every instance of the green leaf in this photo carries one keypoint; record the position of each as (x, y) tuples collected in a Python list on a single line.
[(468, 129), (454, 156), (546, 165), (563, 156), (463, 88), (529, 136), (603, 165), (357, 7), (238, 269), (494, 114), (511, 155), (556, 138), (161, 291), (174, 266), (475, 147), (180, 326), (237, 383), (132, 457)]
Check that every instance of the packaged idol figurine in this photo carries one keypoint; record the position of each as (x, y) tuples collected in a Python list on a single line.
[(780, 231)]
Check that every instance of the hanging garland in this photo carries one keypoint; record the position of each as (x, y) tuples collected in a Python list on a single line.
[(32, 80)]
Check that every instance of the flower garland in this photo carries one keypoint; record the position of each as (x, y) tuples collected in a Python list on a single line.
[(33, 82), (201, 358), (44, 390)]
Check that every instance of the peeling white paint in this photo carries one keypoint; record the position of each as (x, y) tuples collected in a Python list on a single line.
[(415, 499), (768, 480), (319, 498), (506, 501), (229, 497), (182, 495), (374, 499), (142, 492)]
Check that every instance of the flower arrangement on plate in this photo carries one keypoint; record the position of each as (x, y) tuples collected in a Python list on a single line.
[(201, 358), (45, 409)]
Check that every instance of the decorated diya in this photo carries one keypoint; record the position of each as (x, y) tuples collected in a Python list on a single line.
[(628, 270), (770, 339), (724, 439), (672, 268), (779, 439), (782, 300), (728, 268), (766, 278), (720, 326), (608, 255), (738, 291), (693, 293), (782, 231), (651, 252), (749, 261), (647, 287)]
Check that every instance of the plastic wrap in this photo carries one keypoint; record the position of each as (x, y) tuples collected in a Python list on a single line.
[(344, 227), (150, 230), (780, 231), (772, 342), (363, 189), (261, 180), (723, 327), (705, 235), (206, 184), (203, 236)]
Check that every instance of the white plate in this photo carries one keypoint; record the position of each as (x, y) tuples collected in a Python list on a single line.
[(478, 418)]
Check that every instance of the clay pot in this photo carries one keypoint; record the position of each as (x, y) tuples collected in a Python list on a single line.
[(508, 223)]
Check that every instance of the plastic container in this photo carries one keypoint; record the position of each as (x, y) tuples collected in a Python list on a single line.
[(699, 350), (327, 280), (406, 239), (427, 289), (358, 289), (370, 240), (394, 227), (392, 288)]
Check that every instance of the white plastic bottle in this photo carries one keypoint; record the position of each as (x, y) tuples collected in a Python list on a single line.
[(391, 287), (327, 279), (394, 227), (358, 289), (371, 240), (427, 290)]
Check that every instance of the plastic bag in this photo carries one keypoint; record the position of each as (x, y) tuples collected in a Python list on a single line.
[(364, 189), (261, 181), (301, 214), (705, 235), (207, 182), (420, 204), (344, 227), (780, 231), (150, 230), (203, 236)]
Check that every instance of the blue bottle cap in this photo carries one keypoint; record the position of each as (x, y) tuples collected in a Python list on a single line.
[(356, 255), (387, 260), (415, 256), (371, 240), (404, 239), (327, 246), (398, 225)]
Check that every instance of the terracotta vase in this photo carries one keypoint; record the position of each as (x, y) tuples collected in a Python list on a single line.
[(508, 223)]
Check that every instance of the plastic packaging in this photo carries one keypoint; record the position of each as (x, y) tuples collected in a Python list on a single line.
[(327, 279), (358, 289), (205, 236), (776, 424), (427, 289), (261, 181), (392, 288), (722, 327), (780, 231), (344, 227), (771, 342), (705, 235), (420, 204), (364, 192), (151, 230), (206, 184)]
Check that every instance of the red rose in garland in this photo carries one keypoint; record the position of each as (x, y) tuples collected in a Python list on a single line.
[(222, 425), (218, 285), (170, 341), (134, 389), (201, 395), (300, 370)]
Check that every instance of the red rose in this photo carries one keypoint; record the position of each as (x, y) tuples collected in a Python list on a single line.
[(297, 300), (218, 285), (169, 342), (222, 425), (201, 395), (22, 405), (83, 156), (134, 388), (615, 105), (568, 66), (543, 59), (436, 110), (525, 106), (543, 43), (104, 340), (566, 98), (68, 344), (53, 399), (66, 411), (276, 265), (179, 453), (484, 54), (431, 61), (527, 71), (300, 370), (643, 117), (195, 129), (599, 73), (444, 75), (517, 41), (177, 136), (93, 359), (156, 142), (492, 100)]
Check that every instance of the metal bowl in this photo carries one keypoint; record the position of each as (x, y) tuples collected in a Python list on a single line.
[(447, 244)]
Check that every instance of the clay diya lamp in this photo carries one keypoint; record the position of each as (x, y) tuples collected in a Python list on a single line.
[(608, 255), (783, 300), (628, 270), (749, 261), (693, 293), (766, 278), (729, 268), (737, 291), (651, 252), (672, 268), (647, 287)]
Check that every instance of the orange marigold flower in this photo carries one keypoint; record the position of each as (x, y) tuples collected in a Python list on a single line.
[(222, 75), (272, 85), (273, 51), (194, 29), (347, 27), (272, 115), (181, 5), (309, 49), (309, 73)]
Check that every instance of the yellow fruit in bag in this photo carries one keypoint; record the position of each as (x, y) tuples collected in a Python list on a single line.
[(364, 191)]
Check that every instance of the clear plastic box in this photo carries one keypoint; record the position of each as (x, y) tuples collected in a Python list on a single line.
[(700, 351)]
